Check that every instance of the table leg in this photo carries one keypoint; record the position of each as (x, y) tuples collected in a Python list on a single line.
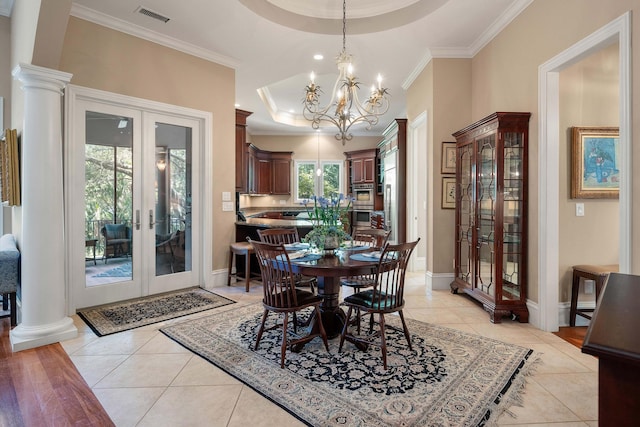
[(333, 317)]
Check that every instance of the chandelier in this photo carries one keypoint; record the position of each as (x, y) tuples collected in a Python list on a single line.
[(345, 108)]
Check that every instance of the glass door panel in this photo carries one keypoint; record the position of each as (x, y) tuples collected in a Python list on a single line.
[(512, 222), (172, 199), (465, 194), (485, 226), (108, 172)]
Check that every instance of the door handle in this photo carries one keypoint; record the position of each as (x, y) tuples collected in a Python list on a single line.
[(151, 223), (137, 219)]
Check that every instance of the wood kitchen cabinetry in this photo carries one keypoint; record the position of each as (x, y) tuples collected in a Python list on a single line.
[(490, 217), (269, 172), (362, 166), (242, 156)]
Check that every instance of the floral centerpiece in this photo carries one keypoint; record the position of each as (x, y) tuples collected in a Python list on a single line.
[(330, 218)]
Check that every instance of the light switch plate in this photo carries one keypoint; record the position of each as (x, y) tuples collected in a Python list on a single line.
[(226, 196), (227, 206), (579, 209)]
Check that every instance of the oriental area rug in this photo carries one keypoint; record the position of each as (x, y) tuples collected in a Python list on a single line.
[(124, 315), (450, 378)]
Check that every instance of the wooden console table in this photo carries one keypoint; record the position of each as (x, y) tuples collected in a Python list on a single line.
[(613, 337)]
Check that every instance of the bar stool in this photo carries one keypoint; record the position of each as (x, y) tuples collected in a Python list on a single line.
[(244, 249), (597, 273)]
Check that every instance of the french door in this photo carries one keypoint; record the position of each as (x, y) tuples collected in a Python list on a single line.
[(134, 178)]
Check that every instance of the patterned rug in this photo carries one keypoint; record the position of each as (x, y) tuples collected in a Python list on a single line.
[(450, 378), (122, 316)]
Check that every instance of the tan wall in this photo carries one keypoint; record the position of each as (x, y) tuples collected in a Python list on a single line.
[(304, 147), (104, 59), (443, 90), (505, 78), (5, 69), (419, 100), (588, 97)]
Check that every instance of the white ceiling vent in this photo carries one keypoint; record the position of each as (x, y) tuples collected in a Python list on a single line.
[(152, 14)]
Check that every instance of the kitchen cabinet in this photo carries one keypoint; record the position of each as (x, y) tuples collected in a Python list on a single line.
[(362, 166), (491, 214), (268, 172), (242, 156)]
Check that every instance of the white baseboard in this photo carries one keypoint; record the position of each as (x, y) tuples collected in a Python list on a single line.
[(438, 281), (564, 309)]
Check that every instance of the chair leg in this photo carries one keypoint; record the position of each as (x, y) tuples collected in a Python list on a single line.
[(323, 333), (344, 328), (247, 271), (406, 330), (283, 349), (261, 330), (575, 287), (383, 345), (230, 268)]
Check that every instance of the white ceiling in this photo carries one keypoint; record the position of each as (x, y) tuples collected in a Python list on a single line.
[(271, 43)]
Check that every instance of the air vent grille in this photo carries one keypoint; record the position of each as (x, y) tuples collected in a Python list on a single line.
[(152, 14)]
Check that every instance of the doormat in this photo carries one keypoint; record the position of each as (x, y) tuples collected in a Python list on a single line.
[(124, 315), (450, 378)]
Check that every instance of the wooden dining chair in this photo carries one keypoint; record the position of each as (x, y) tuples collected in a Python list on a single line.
[(374, 238), (281, 295), (386, 296), (287, 236)]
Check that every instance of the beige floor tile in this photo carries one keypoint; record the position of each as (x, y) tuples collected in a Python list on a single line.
[(95, 368), (507, 331), (555, 361), (539, 406), (438, 316), (257, 411), (575, 353), (577, 391), (161, 344), (121, 343), (127, 406), (146, 370), (75, 344), (209, 406), (201, 372)]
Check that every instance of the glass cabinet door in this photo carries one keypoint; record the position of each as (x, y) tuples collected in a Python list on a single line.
[(486, 227), (466, 220), (513, 153)]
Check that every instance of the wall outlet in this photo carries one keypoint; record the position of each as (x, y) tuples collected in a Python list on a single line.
[(589, 287)]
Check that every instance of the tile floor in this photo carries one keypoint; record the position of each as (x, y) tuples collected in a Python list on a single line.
[(143, 378)]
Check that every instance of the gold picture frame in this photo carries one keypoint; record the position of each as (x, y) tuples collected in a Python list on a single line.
[(448, 157), (448, 193), (10, 168), (595, 154)]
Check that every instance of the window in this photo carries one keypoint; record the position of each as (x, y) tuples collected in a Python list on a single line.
[(308, 183)]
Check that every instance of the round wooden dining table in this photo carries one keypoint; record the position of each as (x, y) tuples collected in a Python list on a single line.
[(328, 270)]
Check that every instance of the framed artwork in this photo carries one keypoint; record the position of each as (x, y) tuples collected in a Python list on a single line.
[(595, 154), (448, 193), (448, 157)]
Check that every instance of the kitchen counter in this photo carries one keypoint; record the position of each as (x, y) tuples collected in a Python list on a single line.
[(274, 223)]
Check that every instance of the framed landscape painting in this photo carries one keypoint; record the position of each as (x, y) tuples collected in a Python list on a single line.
[(595, 154)]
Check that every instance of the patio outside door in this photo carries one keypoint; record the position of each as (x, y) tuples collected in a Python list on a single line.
[(140, 204)]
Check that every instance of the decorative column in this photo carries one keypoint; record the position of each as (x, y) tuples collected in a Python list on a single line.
[(44, 319)]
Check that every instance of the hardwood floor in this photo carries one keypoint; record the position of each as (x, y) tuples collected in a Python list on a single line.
[(42, 387), (573, 335)]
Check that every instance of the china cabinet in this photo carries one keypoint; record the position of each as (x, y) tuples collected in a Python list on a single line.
[(490, 216)]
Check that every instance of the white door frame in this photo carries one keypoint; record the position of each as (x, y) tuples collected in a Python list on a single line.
[(74, 249), (548, 161), (417, 128)]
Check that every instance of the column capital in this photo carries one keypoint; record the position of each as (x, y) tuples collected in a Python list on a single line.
[(33, 76)]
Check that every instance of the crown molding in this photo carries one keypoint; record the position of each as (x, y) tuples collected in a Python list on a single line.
[(466, 53), (91, 15)]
